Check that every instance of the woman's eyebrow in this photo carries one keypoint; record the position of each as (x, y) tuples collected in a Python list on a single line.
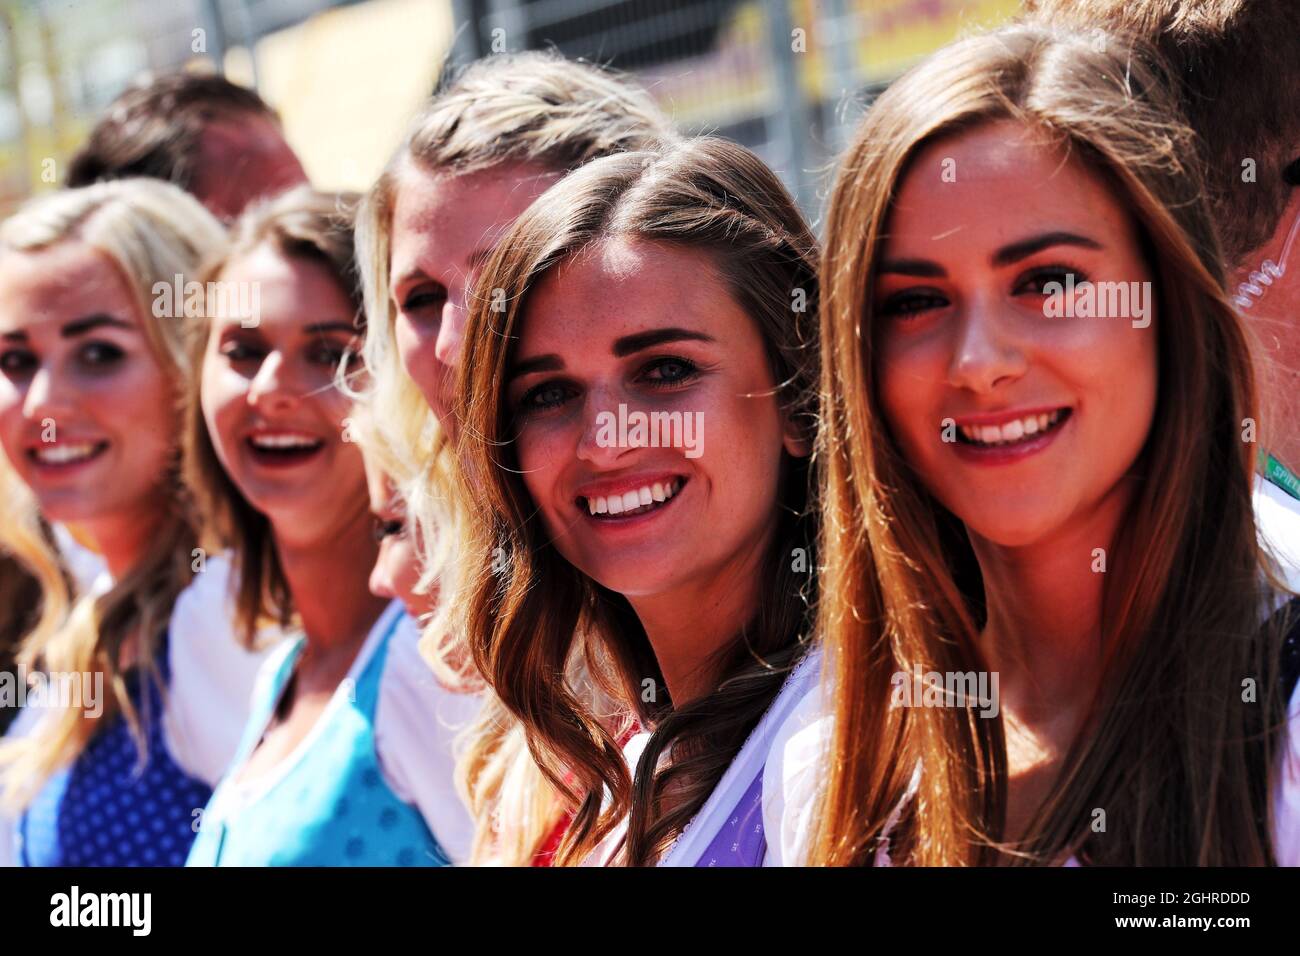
[(542, 363), (91, 322), (336, 326), (1027, 247), (629, 344)]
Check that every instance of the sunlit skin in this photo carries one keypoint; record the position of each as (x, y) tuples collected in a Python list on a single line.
[(76, 367), (396, 573), (242, 159), (444, 225), (277, 379), (1274, 320), (962, 335), (678, 342)]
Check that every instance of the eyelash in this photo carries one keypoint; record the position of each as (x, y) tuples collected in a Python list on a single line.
[(918, 300), (330, 356), (94, 355), (385, 529), (692, 371), (412, 301)]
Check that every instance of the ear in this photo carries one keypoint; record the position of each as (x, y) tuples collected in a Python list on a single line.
[(797, 440)]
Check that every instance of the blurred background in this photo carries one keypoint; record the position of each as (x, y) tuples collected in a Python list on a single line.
[(787, 78)]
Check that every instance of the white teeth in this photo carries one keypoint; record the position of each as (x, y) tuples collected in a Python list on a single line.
[(642, 497), (1011, 431), (282, 440), (63, 454)]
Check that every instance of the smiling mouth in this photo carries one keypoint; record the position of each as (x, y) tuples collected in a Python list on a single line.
[(1018, 431), (630, 504), (67, 454), (283, 448)]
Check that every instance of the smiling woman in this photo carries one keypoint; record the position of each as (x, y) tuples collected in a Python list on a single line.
[(1056, 497), (676, 574), (91, 378), (346, 758)]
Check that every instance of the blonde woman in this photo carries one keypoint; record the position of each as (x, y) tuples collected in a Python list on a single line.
[(93, 367), (675, 565), (489, 142), (346, 758), (1046, 494)]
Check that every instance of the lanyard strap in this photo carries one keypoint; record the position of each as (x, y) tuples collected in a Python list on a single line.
[(1280, 475)]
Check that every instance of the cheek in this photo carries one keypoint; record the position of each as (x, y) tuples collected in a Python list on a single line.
[(222, 396), (417, 347)]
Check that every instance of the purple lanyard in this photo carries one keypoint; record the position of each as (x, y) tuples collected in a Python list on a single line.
[(741, 841)]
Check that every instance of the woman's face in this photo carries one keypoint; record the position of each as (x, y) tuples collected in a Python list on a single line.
[(444, 227), (276, 420), (88, 417), (1019, 408), (397, 567), (639, 519)]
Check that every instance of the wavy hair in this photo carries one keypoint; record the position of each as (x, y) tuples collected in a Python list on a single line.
[(152, 232), (529, 619)]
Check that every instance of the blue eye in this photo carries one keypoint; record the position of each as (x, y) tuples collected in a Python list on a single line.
[(671, 370), (544, 396)]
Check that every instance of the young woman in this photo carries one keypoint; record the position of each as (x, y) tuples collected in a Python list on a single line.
[(346, 758), (1039, 445), (93, 367), (676, 564), (492, 140)]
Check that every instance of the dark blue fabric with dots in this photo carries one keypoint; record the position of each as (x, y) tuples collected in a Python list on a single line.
[(104, 810), (331, 806)]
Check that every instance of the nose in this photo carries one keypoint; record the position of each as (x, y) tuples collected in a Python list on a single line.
[(985, 353), (272, 387), (381, 579), (45, 396), (451, 331), (600, 443)]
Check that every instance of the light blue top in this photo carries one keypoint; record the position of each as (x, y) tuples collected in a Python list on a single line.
[(328, 804)]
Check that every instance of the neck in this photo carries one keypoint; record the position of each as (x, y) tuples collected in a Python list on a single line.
[(1043, 636), (330, 585), (123, 539), (689, 625)]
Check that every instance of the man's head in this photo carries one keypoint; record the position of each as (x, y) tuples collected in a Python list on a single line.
[(219, 141), (1237, 66)]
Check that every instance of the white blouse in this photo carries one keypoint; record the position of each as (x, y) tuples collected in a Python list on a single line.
[(796, 767)]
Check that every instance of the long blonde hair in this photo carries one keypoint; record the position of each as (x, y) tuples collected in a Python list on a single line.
[(536, 108), (901, 589), (529, 612), (152, 232)]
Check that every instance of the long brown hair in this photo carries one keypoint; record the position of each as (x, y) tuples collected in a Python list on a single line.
[(302, 223), (525, 622), (1168, 745)]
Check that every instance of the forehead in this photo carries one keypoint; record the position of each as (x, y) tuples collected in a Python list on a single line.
[(621, 286), (440, 218), (65, 281), (248, 134), (959, 191), (291, 292)]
